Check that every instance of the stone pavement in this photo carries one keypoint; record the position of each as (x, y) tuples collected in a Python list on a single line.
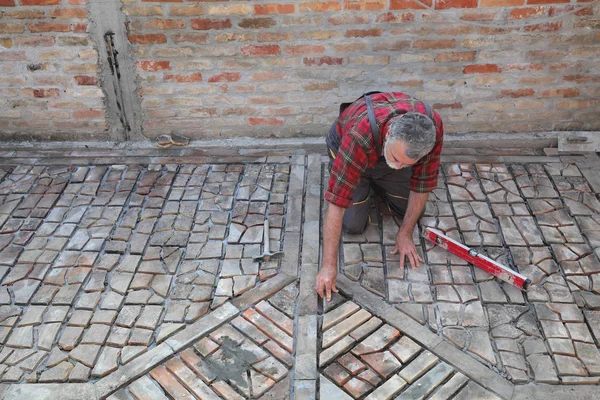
[(138, 282)]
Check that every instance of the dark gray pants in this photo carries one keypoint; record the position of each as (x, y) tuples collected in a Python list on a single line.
[(391, 185)]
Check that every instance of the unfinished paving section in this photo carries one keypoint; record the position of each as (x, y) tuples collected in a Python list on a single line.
[(136, 281)]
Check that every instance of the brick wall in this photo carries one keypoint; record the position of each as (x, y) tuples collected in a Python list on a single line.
[(49, 86), (239, 68)]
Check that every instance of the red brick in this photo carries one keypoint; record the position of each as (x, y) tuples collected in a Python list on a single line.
[(164, 24), (364, 5), (226, 77), (169, 383), (148, 38), (454, 30), (12, 27), (441, 70), (565, 9), (24, 14), (538, 80), (501, 3), (77, 2), (198, 38), (363, 32), (318, 61), (274, 9), (41, 93), (350, 47), (266, 50), (582, 78), (485, 31), (446, 4), (49, 27), (566, 92), (303, 49), (516, 93), (570, 104), (454, 106), (7, 3), (195, 77), (547, 1), (275, 36), (545, 27), (265, 121), (80, 27), (84, 80), (391, 46), (434, 44), (349, 19), (321, 35), (481, 69), (30, 41), (527, 12), (69, 13), (257, 23), (545, 54), (320, 6), (13, 56), (391, 17), (39, 2), (154, 65), (88, 114), (208, 24), (321, 86), (409, 4), (523, 67), (455, 56), (268, 76), (471, 15)]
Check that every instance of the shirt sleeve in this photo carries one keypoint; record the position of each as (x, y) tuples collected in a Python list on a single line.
[(349, 164), (425, 172)]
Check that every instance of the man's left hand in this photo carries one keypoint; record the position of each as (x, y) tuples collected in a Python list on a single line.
[(406, 248)]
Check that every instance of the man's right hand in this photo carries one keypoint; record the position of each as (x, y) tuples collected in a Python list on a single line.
[(326, 282)]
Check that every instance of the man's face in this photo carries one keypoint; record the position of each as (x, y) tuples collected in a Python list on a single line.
[(395, 156)]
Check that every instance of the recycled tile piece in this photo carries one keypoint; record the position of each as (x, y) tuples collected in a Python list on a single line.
[(498, 183), (462, 183)]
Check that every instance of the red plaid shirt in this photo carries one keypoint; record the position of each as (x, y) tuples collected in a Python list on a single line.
[(357, 150)]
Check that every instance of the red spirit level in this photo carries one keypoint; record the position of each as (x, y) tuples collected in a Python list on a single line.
[(478, 260)]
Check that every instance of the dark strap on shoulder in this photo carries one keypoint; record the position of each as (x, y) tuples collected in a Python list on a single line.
[(428, 111), (373, 123)]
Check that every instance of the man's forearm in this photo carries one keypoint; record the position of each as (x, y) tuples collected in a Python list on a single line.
[(416, 205), (332, 230)]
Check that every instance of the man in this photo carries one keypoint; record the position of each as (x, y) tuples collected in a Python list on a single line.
[(388, 142)]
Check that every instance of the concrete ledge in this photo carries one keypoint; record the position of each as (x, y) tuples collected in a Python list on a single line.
[(525, 139)]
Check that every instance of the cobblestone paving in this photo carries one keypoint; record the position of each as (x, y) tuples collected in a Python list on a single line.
[(100, 264), (139, 281), (541, 220)]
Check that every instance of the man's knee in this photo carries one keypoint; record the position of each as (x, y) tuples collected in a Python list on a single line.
[(354, 227)]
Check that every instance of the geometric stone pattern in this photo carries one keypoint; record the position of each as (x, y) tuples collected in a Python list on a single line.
[(247, 358), (541, 220), (363, 357), (100, 264)]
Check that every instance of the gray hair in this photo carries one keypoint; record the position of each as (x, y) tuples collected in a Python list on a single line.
[(416, 130)]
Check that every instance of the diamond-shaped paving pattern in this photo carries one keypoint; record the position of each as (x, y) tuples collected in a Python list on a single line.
[(363, 357), (243, 359)]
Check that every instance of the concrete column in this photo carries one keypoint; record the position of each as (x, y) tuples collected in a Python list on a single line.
[(118, 80)]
